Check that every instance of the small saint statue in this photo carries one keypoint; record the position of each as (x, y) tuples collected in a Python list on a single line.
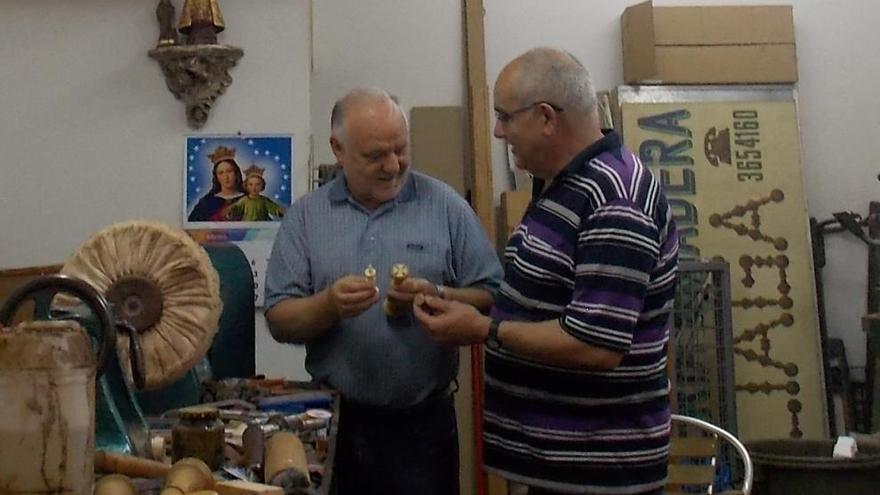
[(165, 16), (200, 21)]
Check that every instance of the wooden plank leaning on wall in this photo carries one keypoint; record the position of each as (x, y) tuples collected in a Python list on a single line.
[(479, 145), (482, 200)]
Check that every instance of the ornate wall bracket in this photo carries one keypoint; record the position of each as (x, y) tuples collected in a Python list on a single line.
[(197, 75)]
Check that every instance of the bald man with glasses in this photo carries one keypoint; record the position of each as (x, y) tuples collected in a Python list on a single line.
[(576, 386)]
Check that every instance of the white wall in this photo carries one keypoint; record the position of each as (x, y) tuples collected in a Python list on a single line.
[(414, 49), (90, 135)]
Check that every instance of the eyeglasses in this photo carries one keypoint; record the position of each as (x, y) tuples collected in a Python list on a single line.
[(505, 117)]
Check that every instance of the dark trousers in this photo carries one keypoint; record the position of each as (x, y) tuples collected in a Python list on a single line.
[(397, 452)]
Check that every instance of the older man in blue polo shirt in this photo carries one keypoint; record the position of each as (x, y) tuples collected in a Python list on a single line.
[(397, 433), (576, 389)]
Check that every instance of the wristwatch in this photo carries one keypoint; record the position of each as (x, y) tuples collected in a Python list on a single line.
[(492, 340)]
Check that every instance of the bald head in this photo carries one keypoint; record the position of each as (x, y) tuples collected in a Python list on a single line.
[(546, 110), (370, 140), (552, 75), (359, 98)]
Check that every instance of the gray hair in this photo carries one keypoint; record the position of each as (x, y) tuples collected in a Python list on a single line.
[(359, 95), (558, 77)]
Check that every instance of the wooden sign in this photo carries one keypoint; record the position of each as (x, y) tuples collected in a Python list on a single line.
[(729, 160)]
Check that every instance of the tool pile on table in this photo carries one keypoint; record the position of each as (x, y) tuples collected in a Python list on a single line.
[(279, 441)]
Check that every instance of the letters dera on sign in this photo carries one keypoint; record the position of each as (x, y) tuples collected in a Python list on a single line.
[(672, 150)]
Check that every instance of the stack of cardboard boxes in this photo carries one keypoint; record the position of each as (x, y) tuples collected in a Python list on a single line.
[(708, 45)]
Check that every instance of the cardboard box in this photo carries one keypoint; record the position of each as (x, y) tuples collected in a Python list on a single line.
[(438, 145), (708, 45)]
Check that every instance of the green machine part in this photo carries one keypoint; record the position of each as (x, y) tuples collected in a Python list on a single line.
[(120, 425), (232, 353)]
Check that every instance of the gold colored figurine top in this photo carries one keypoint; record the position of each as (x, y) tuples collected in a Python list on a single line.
[(399, 273), (370, 273)]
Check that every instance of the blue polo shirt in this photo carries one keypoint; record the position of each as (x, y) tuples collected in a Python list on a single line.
[(371, 358)]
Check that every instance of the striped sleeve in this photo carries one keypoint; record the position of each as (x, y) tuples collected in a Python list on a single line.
[(618, 246)]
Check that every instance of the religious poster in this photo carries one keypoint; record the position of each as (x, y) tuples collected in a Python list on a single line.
[(237, 181), (236, 190), (729, 160)]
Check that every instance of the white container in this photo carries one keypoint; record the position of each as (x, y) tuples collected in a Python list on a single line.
[(47, 409)]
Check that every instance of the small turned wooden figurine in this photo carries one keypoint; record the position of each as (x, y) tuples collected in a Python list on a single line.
[(285, 463), (370, 273), (115, 484), (399, 272), (200, 21), (188, 475)]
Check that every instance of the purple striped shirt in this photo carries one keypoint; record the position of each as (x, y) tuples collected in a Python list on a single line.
[(597, 251)]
